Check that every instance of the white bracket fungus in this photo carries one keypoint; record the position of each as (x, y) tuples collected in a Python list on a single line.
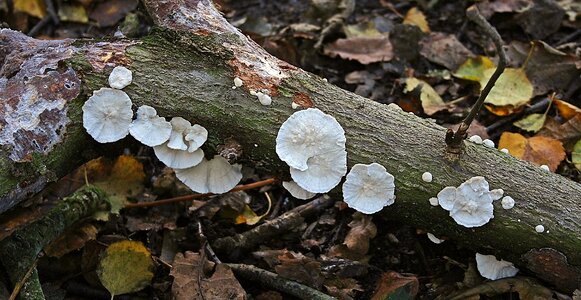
[(427, 177), (434, 239), (470, 205), (507, 202), (488, 143), (176, 153), (476, 139), (369, 188), (540, 228), (312, 143), (120, 77), (196, 136), (148, 128), (211, 176), (296, 191), (178, 159), (491, 268), (179, 126), (107, 115)]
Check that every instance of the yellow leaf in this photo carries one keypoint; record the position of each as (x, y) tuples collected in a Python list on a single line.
[(73, 13), (366, 29), (532, 122), (414, 16), (431, 101), (125, 179), (34, 8), (512, 89), (576, 155), (249, 217), (473, 68), (567, 110), (125, 267)]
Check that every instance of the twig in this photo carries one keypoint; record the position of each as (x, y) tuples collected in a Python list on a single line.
[(242, 187), (285, 222), (454, 139), (274, 281), (39, 26), (506, 285), (51, 11), (18, 286)]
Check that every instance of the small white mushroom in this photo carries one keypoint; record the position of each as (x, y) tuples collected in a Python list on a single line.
[(211, 176), (295, 105), (507, 202), (539, 228), (470, 204), (296, 191), (476, 139), (196, 136), (433, 201), (434, 239), (107, 115), (179, 126), (504, 150), (148, 128), (491, 268), (120, 77), (496, 194), (546, 168), (488, 143), (427, 177), (324, 172), (369, 188), (238, 82), (264, 99), (178, 159)]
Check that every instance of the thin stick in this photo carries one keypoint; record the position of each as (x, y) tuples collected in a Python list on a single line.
[(18, 286), (242, 187), (454, 139)]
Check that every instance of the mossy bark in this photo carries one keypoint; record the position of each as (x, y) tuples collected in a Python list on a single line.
[(183, 70)]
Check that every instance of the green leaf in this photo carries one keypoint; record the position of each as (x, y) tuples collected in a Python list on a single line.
[(473, 68), (532, 122), (576, 155)]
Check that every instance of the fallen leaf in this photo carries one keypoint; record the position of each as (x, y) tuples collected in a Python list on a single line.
[(362, 49), (473, 68), (532, 122), (109, 12), (568, 133), (192, 283), (431, 101), (416, 17), (512, 89), (576, 155), (572, 8), (343, 288), (444, 49), (300, 268), (125, 267), (123, 179), (73, 239), (393, 285), (488, 8), (35, 8), (365, 29), (567, 110), (539, 150), (547, 68), (356, 242), (73, 12), (540, 19)]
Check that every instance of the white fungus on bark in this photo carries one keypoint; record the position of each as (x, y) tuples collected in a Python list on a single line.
[(148, 128), (488, 143), (182, 151), (546, 168), (263, 98), (369, 188), (179, 126), (296, 191), (120, 77), (178, 159), (107, 115), (504, 150), (427, 177), (433, 201), (476, 139), (312, 143), (211, 176), (195, 136), (434, 239), (507, 202), (540, 228), (470, 205), (491, 268), (238, 82)]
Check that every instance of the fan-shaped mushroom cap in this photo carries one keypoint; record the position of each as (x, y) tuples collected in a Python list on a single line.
[(306, 134), (178, 159), (196, 136), (491, 268), (179, 126), (324, 172), (296, 191), (107, 115), (120, 77), (214, 176), (368, 188), (148, 128)]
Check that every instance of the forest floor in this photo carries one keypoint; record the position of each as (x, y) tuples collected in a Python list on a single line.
[(425, 56)]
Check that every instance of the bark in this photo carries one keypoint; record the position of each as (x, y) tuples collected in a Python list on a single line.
[(186, 67)]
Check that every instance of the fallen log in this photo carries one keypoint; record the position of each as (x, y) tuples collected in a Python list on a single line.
[(186, 66)]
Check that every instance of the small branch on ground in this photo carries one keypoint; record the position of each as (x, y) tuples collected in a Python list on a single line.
[(454, 139), (274, 281), (258, 235)]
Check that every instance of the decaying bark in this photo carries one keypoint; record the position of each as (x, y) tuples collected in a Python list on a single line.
[(186, 67)]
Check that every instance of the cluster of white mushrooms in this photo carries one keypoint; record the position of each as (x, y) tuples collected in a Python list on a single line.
[(108, 117)]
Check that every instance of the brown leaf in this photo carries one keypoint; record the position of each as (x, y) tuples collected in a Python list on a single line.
[(356, 242), (488, 8), (109, 12), (300, 268), (71, 240), (444, 49), (567, 133), (343, 288), (362, 49), (539, 150), (541, 18), (567, 110), (393, 285), (416, 17)]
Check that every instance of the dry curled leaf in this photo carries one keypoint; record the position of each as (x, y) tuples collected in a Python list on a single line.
[(393, 285), (539, 150), (362, 49), (416, 17), (356, 242), (429, 98), (444, 49), (300, 268)]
